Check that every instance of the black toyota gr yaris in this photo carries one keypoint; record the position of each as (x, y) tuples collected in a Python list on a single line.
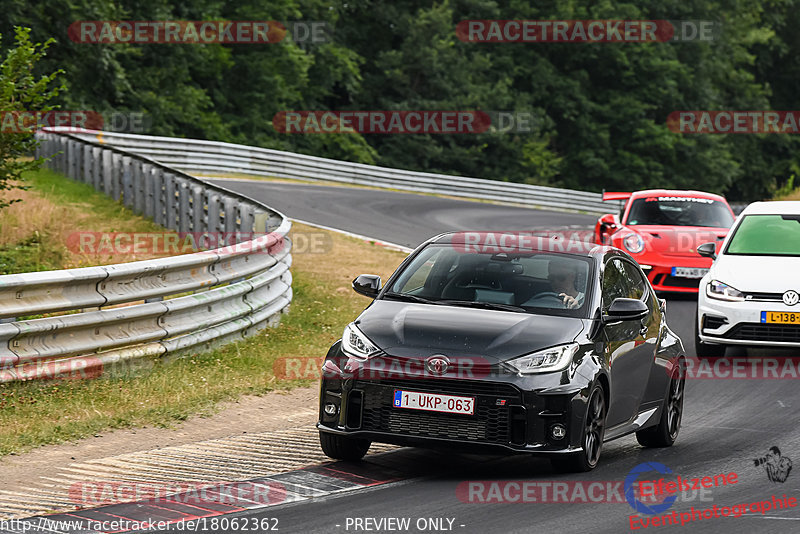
[(505, 343)]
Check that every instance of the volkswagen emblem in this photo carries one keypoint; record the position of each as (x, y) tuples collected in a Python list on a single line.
[(437, 364), (790, 298)]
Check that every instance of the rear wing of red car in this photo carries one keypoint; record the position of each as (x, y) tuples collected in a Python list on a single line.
[(616, 196)]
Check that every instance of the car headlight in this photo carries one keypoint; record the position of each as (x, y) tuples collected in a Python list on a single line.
[(544, 361), (719, 290), (355, 343), (634, 243)]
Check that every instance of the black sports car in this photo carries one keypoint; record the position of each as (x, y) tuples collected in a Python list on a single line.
[(504, 342)]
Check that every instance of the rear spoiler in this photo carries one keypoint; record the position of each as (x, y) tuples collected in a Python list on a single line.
[(616, 196)]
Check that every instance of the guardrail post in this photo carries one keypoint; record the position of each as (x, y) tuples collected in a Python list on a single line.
[(138, 186), (148, 194), (214, 219), (107, 170), (199, 223), (97, 162), (127, 182), (77, 160), (170, 201), (159, 194), (116, 176), (88, 164), (231, 214), (184, 205), (246, 218)]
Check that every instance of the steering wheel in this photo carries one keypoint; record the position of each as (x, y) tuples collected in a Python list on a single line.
[(546, 299)]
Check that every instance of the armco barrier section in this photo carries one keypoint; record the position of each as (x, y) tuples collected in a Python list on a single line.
[(188, 302), (197, 156)]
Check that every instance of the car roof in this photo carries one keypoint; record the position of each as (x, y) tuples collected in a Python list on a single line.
[(676, 193), (773, 207), (489, 241)]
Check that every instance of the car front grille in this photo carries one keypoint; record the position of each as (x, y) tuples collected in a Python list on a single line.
[(764, 332), (676, 281), (490, 424)]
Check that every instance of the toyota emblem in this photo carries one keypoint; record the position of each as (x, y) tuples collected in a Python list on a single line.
[(790, 298), (437, 365)]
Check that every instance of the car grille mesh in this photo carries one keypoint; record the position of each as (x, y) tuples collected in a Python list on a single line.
[(490, 424), (765, 332), (676, 281)]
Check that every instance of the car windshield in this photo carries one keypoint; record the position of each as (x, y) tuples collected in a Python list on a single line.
[(766, 235), (680, 211), (535, 282)]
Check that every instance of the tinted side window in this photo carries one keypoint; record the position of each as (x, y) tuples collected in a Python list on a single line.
[(616, 282)]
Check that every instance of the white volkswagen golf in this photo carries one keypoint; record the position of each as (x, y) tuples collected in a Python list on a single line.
[(750, 294)]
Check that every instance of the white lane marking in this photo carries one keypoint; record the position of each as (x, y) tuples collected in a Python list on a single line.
[(386, 244)]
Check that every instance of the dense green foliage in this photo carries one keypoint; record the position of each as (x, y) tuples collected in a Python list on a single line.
[(602, 108), (21, 90)]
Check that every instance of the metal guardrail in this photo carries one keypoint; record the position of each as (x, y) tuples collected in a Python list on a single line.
[(197, 156), (169, 305)]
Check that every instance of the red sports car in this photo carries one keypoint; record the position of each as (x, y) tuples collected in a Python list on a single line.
[(661, 229)]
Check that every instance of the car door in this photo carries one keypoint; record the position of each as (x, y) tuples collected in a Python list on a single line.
[(629, 345)]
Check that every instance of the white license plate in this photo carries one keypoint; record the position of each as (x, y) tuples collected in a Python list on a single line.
[(434, 402), (689, 272)]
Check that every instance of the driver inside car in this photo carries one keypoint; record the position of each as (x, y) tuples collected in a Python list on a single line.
[(562, 276)]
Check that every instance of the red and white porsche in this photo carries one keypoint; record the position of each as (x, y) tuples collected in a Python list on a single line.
[(662, 229)]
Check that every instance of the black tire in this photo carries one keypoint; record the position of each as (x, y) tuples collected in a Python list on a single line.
[(343, 447), (666, 431), (706, 350), (594, 425)]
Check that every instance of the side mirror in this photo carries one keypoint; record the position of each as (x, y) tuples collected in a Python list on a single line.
[(607, 224), (609, 221), (623, 309), (368, 285), (708, 250)]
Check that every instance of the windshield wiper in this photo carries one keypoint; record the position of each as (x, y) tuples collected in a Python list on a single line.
[(484, 305), (410, 298)]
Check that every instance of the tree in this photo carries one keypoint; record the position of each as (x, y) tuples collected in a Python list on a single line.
[(21, 91)]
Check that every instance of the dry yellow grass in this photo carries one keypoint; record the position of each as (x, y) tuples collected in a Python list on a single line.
[(52, 214)]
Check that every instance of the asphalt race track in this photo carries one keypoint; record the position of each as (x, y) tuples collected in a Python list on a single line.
[(727, 423)]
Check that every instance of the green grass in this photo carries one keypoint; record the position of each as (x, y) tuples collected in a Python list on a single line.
[(162, 393), (34, 232), (37, 413)]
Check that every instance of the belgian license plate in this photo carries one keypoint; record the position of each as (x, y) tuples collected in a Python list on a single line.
[(780, 317), (689, 272), (434, 402)]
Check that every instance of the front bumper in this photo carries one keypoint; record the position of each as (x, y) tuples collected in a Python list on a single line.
[(740, 323), (660, 271), (508, 418)]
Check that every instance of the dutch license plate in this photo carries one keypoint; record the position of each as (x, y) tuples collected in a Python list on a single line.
[(689, 272), (434, 402), (780, 317)]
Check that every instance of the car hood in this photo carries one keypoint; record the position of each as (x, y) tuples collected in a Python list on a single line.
[(762, 274), (413, 330), (678, 240)]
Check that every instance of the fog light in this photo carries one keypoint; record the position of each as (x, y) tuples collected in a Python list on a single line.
[(330, 409), (558, 431)]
